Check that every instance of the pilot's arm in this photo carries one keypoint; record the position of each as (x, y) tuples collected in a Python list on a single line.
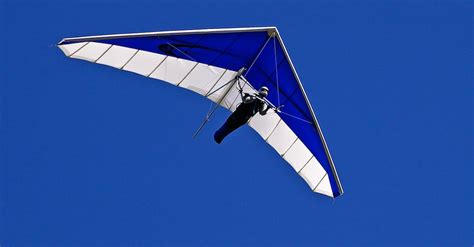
[(246, 98), (263, 110)]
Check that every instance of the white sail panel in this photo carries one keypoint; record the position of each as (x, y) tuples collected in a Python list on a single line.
[(202, 78), (173, 70), (298, 155), (312, 172), (281, 138), (91, 51), (264, 125), (117, 56), (143, 62), (324, 187), (71, 48)]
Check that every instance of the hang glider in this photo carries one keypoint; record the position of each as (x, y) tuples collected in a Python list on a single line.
[(206, 61)]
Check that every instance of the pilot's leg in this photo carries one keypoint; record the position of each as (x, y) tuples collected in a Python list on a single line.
[(233, 122)]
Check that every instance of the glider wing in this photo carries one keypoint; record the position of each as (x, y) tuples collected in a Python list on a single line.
[(205, 61)]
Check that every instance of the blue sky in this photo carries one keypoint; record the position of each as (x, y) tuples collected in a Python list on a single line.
[(93, 156)]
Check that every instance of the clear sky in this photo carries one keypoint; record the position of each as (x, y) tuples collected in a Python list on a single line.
[(93, 156)]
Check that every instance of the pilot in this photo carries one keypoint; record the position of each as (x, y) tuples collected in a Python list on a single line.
[(251, 104)]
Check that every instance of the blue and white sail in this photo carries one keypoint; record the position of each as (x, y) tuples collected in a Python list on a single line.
[(205, 60)]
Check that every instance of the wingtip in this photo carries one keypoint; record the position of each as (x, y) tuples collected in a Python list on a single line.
[(61, 42)]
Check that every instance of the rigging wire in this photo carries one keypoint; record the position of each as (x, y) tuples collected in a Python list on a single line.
[(276, 70), (181, 51), (258, 55), (295, 117)]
